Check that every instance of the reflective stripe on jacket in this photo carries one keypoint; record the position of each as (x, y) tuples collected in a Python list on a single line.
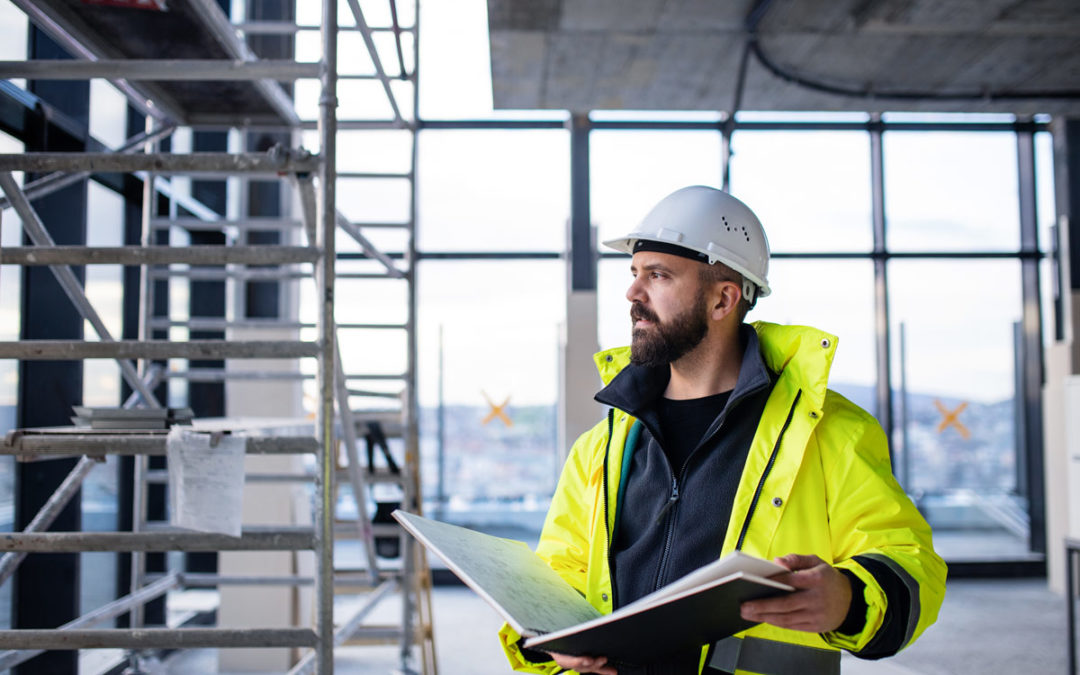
[(817, 481)]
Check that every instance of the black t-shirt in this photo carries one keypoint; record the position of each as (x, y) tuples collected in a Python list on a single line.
[(684, 422)]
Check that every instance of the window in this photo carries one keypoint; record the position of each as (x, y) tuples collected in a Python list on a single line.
[(956, 405), (951, 191), (13, 31), (10, 294), (493, 190), (101, 387), (811, 190), (488, 342), (632, 170), (836, 296), (955, 415)]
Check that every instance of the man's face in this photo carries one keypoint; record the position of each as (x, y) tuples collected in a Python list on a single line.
[(667, 307)]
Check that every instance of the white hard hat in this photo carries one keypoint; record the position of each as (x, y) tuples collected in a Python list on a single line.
[(713, 224)]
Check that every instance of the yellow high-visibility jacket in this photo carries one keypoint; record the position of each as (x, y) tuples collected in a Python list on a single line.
[(817, 481)]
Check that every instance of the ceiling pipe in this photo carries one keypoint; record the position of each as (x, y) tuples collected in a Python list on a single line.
[(760, 9)]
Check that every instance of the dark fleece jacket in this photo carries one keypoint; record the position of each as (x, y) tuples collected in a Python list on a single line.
[(672, 520)]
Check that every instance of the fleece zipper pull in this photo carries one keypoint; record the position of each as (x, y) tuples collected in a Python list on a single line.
[(672, 498)]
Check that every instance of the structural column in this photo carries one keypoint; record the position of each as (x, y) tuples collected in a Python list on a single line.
[(46, 586), (883, 400), (578, 383), (1030, 371), (1066, 132), (1062, 389)]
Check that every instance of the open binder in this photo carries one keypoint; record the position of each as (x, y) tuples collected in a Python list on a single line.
[(700, 608)]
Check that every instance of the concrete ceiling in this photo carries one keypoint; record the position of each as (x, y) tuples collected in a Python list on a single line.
[(996, 55)]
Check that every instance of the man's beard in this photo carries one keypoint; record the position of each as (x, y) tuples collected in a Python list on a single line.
[(663, 343)]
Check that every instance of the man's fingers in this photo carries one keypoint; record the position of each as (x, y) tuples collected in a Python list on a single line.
[(584, 664), (794, 561), (785, 604), (820, 604), (808, 578), (793, 621)]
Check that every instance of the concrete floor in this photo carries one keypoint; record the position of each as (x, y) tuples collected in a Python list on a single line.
[(985, 628)]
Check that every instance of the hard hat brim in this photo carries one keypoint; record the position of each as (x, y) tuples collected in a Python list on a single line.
[(626, 245)]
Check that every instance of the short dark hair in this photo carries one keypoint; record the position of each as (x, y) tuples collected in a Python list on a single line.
[(717, 272)]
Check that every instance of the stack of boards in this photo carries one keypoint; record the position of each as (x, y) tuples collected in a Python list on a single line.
[(130, 418)]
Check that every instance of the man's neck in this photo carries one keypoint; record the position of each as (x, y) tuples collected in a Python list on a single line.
[(710, 368)]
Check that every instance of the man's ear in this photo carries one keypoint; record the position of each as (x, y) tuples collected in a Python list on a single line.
[(726, 297)]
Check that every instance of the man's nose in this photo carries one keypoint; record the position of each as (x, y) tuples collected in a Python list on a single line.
[(635, 293)]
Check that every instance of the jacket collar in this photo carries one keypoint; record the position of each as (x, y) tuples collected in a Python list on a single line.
[(801, 353), (635, 387)]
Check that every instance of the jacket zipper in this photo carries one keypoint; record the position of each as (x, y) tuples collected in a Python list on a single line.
[(669, 507), (604, 488), (765, 474), (669, 535), (673, 499)]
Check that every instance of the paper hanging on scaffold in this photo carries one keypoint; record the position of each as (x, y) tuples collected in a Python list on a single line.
[(206, 481)]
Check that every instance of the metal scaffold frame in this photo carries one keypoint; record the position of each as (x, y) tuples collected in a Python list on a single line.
[(314, 178)]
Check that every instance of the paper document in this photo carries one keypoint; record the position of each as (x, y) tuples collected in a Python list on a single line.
[(700, 608), (206, 481), (506, 573)]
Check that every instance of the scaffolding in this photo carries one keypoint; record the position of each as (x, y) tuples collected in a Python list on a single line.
[(219, 83)]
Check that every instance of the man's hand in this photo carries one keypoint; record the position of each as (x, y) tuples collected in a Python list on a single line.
[(584, 664), (819, 604)]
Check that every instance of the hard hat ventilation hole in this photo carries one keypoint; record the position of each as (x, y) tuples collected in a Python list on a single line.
[(745, 234), (724, 218)]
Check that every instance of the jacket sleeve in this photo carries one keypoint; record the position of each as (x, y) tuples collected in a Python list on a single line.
[(564, 541), (879, 536)]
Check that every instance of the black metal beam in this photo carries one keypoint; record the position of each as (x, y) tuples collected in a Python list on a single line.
[(582, 244), (882, 329), (25, 115), (818, 255), (1067, 193), (262, 299), (423, 125), (1031, 345), (207, 300), (46, 587), (706, 125)]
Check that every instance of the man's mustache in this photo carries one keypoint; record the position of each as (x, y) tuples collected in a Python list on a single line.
[(641, 312)]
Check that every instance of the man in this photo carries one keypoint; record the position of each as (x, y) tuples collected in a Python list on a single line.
[(722, 436)]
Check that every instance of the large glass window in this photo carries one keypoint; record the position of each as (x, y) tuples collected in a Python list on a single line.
[(836, 296), (632, 170), (613, 309), (108, 114), (101, 387), (954, 373), (489, 354), (13, 33), (951, 191), (956, 407), (811, 190), (494, 190), (10, 318), (804, 293)]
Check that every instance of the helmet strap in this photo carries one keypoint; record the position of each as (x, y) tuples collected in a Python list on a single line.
[(749, 291)]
